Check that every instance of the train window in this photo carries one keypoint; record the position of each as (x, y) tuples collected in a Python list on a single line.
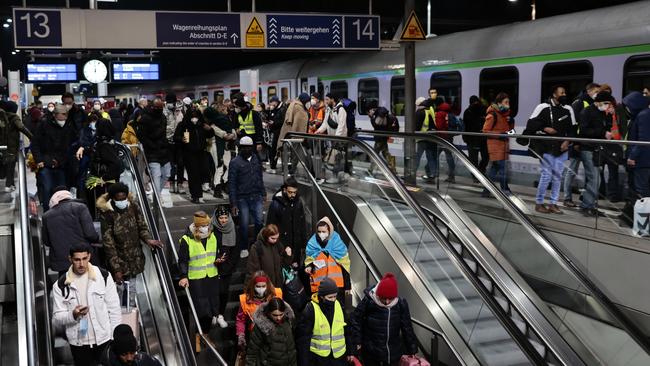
[(271, 91), (573, 76), (500, 79), (233, 92), (448, 86), (368, 92), (321, 90), (284, 94), (636, 74), (218, 96), (397, 95), (204, 94), (339, 88)]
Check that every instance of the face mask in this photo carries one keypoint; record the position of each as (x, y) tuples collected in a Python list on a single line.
[(60, 123), (122, 205), (314, 101), (97, 107), (323, 236), (169, 105), (307, 105), (203, 231), (51, 109), (562, 99), (194, 120), (603, 107), (260, 291), (237, 110), (593, 96), (272, 107), (204, 104), (92, 125), (68, 107), (503, 108)]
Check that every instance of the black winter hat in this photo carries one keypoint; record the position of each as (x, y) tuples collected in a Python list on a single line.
[(170, 98), (123, 340), (604, 96), (327, 287), (9, 106)]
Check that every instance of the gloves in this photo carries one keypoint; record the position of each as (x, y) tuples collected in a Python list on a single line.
[(241, 342)]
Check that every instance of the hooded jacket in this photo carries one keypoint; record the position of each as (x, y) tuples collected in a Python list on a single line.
[(198, 135), (289, 217), (270, 258), (295, 120), (334, 247), (103, 305), (65, 225), (270, 343), (122, 234), (442, 119), (384, 333), (498, 147), (639, 128)]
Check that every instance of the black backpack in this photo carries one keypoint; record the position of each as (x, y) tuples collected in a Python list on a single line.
[(350, 108), (65, 289)]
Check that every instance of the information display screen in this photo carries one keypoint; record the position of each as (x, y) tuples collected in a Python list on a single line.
[(135, 71), (51, 72)]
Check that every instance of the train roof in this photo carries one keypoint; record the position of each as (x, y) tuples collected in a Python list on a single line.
[(616, 26)]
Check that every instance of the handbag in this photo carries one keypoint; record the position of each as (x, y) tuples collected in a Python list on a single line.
[(407, 360), (642, 217), (293, 290)]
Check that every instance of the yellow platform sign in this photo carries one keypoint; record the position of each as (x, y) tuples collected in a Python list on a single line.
[(255, 34), (413, 30)]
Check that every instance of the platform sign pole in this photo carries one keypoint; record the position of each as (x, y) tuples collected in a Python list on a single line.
[(410, 165)]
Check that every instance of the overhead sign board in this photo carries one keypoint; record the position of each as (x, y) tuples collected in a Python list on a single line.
[(128, 71), (133, 29), (51, 72)]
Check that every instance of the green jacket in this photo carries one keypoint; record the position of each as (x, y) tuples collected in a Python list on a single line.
[(271, 344), (122, 236)]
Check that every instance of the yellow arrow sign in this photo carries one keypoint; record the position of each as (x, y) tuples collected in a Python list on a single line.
[(413, 30)]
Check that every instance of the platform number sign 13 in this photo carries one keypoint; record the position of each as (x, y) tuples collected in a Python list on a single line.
[(362, 32), (37, 28)]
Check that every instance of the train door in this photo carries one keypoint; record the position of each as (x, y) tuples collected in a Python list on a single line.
[(313, 84), (284, 91)]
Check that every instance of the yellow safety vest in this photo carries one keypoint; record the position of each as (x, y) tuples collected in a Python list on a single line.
[(247, 124), (428, 113), (201, 263), (326, 339)]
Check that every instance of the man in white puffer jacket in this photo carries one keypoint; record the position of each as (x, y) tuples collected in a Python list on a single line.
[(86, 305)]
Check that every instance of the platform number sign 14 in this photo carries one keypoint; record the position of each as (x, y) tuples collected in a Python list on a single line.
[(361, 32), (37, 28)]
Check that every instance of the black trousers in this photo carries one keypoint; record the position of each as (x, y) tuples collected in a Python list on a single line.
[(224, 286), (473, 150), (10, 172), (273, 150), (205, 296), (177, 163), (87, 355), (196, 165)]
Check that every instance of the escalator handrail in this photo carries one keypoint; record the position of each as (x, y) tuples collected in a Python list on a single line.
[(160, 261), (526, 347), (552, 249), (362, 252), (26, 324), (158, 206)]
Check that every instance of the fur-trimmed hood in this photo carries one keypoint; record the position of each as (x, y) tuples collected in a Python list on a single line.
[(103, 202), (267, 325)]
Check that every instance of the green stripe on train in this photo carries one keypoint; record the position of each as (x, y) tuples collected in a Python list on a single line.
[(502, 61)]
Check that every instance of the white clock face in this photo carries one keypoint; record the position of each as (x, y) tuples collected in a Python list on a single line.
[(95, 71)]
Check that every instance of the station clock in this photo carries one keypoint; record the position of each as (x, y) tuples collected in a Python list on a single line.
[(95, 71)]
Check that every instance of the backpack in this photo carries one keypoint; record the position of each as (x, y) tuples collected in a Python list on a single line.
[(455, 123), (350, 107), (65, 289), (106, 162)]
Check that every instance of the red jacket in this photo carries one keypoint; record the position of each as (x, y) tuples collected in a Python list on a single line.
[(442, 119)]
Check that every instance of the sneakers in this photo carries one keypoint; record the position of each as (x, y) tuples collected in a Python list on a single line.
[(222, 322), (541, 208), (197, 201), (166, 202), (205, 187), (332, 181), (10, 189), (243, 254), (592, 212), (555, 209), (173, 187)]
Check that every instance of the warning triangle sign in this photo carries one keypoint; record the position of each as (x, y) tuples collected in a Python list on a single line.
[(413, 30), (254, 27)]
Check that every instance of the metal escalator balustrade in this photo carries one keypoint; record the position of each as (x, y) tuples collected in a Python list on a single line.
[(541, 264), (458, 283)]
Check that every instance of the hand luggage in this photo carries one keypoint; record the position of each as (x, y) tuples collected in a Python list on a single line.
[(130, 315), (413, 361), (642, 217)]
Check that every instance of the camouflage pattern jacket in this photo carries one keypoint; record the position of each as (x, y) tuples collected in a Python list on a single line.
[(122, 234)]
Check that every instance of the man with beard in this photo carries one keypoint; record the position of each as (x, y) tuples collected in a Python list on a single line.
[(288, 214)]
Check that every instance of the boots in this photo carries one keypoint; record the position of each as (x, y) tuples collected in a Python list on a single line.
[(218, 193), (173, 187)]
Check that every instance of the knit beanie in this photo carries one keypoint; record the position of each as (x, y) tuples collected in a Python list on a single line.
[(123, 340), (327, 287), (387, 287), (201, 219)]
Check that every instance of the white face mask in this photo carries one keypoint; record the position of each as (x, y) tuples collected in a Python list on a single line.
[(323, 236), (60, 123), (272, 107), (194, 120), (204, 231), (307, 105), (314, 101), (92, 125), (97, 107), (68, 107), (260, 291), (603, 107), (237, 110), (51, 109), (122, 205)]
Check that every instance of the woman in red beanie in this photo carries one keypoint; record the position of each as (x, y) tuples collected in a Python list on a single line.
[(380, 323)]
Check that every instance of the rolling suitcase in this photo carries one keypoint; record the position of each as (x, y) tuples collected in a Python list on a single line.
[(130, 316)]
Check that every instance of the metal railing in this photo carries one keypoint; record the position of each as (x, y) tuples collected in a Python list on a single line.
[(630, 327)]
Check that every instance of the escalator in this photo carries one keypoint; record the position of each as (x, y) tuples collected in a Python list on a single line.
[(473, 295), (535, 262)]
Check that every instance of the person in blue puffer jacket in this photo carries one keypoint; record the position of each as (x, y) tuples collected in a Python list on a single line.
[(639, 130), (381, 329)]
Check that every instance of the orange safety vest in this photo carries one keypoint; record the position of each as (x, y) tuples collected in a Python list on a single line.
[(331, 269), (249, 307), (316, 117)]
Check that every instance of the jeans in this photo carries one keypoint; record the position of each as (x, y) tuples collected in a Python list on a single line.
[(249, 206), (432, 157), (451, 163), (570, 173), (159, 174), (498, 171), (552, 167), (473, 150), (642, 181), (50, 178), (592, 177)]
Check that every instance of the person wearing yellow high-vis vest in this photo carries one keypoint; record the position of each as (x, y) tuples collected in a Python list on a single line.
[(249, 122), (425, 118), (198, 266), (321, 333)]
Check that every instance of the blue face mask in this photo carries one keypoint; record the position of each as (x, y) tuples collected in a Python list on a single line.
[(121, 204), (503, 108)]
